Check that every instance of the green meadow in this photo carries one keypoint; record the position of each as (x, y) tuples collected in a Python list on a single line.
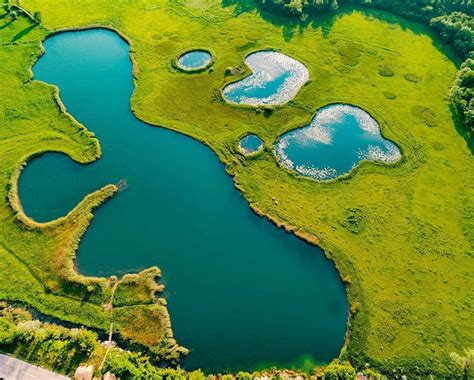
[(401, 236)]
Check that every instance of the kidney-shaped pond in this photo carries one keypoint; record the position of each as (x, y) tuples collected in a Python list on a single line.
[(338, 138), (276, 79), (241, 293)]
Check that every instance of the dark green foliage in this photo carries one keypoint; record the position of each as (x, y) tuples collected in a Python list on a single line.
[(338, 370), (37, 17), (457, 29), (46, 344), (7, 330), (126, 365), (299, 7), (462, 93)]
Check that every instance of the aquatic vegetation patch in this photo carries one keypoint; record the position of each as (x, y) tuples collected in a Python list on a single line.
[(276, 79), (338, 138)]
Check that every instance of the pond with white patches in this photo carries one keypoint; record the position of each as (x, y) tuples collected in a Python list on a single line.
[(275, 80), (338, 138)]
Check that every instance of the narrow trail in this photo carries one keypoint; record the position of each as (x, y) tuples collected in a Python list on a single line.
[(110, 307)]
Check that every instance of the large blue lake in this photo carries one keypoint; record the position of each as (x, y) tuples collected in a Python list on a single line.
[(241, 293)]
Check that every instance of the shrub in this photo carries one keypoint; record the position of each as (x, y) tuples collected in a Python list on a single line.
[(7, 332), (339, 371)]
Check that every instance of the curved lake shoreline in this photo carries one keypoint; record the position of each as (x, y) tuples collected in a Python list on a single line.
[(255, 272)]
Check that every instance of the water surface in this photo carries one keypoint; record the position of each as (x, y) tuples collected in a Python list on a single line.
[(240, 292), (338, 138), (194, 60), (250, 144), (276, 79)]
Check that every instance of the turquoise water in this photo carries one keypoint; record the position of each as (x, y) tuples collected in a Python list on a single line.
[(240, 292), (338, 138), (194, 60), (276, 79), (250, 144)]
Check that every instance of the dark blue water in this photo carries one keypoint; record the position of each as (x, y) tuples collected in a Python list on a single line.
[(241, 293), (194, 60), (339, 137), (276, 78), (250, 144)]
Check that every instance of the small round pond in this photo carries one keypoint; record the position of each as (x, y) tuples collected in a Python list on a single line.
[(276, 79), (250, 144), (194, 60), (338, 138)]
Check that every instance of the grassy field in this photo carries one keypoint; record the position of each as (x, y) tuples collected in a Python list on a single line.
[(37, 260), (401, 236)]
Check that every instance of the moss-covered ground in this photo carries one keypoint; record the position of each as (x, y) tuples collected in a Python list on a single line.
[(401, 236)]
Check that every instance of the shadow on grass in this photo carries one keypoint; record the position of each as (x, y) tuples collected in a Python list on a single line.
[(24, 32), (292, 25), (6, 24), (462, 130)]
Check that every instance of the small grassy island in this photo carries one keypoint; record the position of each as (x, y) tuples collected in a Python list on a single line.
[(400, 231)]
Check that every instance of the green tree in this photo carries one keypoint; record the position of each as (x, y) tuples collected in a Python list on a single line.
[(7, 332), (339, 371)]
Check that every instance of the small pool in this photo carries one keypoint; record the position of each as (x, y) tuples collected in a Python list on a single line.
[(276, 79), (194, 60), (250, 144), (338, 138)]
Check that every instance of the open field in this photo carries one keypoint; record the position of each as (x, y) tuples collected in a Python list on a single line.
[(401, 236)]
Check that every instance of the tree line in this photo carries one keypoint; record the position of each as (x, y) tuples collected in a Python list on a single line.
[(452, 19)]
